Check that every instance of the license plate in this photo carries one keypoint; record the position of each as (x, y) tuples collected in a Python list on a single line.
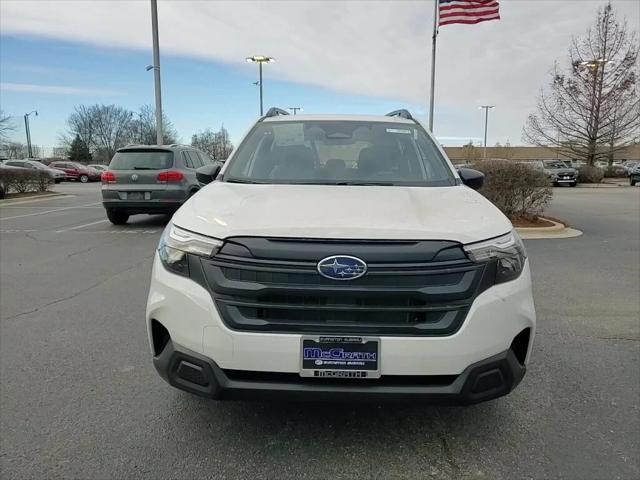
[(339, 357), (137, 195)]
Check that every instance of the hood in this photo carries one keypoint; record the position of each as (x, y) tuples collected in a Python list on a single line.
[(224, 210)]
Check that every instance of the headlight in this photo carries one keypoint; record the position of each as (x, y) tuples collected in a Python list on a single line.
[(176, 243), (507, 250)]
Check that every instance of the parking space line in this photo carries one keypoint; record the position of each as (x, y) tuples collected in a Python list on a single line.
[(48, 211), (11, 202), (77, 227)]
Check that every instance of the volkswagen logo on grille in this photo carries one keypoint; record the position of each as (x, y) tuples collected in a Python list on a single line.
[(342, 267), (134, 177)]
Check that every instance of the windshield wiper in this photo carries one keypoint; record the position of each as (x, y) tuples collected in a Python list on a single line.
[(239, 180), (367, 184), (143, 168)]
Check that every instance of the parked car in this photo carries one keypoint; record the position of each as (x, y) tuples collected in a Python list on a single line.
[(56, 175), (97, 166), (634, 175), (558, 172), (77, 171), (630, 165), (150, 179), (340, 257)]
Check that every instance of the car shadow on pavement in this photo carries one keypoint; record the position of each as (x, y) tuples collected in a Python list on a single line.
[(328, 432), (143, 222)]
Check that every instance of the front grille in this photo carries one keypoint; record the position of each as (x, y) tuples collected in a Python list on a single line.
[(411, 288)]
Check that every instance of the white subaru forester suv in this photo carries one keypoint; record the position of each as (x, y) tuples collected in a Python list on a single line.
[(341, 257)]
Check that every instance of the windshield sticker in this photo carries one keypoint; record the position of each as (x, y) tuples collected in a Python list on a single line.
[(289, 134), (398, 130)]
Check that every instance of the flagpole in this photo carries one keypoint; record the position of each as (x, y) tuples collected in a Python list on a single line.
[(433, 62)]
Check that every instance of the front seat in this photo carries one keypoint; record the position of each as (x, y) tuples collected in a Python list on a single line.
[(294, 162)]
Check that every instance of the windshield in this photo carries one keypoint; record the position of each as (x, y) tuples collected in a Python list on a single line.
[(339, 152), (142, 160), (555, 164), (37, 165)]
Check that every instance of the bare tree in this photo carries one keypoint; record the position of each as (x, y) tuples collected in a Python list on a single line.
[(216, 144), (103, 128), (6, 127), (15, 150), (143, 127), (592, 108)]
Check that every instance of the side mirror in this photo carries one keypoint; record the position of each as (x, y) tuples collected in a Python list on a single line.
[(207, 173), (471, 178)]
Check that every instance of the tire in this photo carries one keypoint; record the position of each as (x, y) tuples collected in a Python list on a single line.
[(573, 184), (556, 184), (632, 182), (57, 180), (83, 178), (117, 217)]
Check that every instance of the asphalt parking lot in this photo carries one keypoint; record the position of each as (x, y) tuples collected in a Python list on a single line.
[(80, 397)]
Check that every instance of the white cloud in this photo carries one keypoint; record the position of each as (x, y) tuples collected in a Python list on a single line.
[(373, 48), (57, 89)]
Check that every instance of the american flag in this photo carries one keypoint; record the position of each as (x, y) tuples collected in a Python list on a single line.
[(468, 11)]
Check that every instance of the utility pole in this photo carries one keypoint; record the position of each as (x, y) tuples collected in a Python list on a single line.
[(295, 109), (28, 132), (260, 59), (486, 122), (156, 70)]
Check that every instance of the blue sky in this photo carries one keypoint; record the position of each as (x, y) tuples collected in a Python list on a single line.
[(196, 94), (332, 57)]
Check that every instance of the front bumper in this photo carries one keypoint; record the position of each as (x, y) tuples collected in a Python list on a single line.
[(490, 378), (237, 361)]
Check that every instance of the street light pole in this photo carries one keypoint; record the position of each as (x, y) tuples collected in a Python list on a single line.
[(28, 132), (260, 80), (486, 122), (260, 59), (156, 70)]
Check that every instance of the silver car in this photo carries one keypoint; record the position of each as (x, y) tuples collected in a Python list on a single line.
[(150, 179), (56, 175)]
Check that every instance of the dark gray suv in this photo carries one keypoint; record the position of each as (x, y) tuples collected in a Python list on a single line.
[(150, 179)]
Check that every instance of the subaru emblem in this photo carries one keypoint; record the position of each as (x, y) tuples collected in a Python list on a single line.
[(342, 267)]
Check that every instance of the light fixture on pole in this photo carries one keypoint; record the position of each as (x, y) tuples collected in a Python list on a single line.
[(295, 109), (28, 132), (486, 122), (156, 70), (260, 59)]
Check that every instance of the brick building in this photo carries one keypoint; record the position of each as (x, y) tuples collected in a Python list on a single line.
[(518, 153)]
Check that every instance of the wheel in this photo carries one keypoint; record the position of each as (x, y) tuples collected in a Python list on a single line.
[(573, 184), (632, 182), (57, 180), (556, 184), (117, 217), (84, 178)]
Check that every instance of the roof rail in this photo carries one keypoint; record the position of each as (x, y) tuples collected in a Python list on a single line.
[(402, 113), (275, 112)]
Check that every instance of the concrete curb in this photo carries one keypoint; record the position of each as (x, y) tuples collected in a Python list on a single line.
[(557, 230), (32, 198), (603, 185)]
